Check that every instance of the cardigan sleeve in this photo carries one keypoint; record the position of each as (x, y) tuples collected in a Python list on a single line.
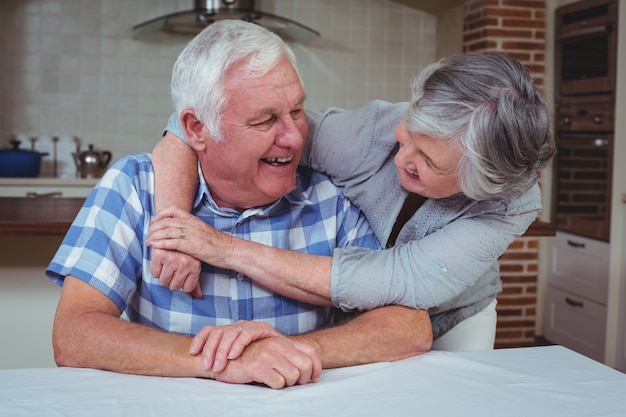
[(427, 271)]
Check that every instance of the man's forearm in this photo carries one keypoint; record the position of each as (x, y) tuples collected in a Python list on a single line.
[(90, 335), (128, 348), (385, 334)]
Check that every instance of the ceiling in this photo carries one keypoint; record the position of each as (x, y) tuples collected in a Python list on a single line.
[(431, 6)]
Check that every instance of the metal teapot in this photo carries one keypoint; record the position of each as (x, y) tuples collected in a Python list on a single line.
[(91, 163)]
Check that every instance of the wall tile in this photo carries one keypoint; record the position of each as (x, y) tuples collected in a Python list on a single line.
[(72, 69)]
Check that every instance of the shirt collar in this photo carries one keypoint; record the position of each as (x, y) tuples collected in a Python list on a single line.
[(297, 197)]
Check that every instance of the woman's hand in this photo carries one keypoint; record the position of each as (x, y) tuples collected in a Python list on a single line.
[(219, 344), (296, 275), (174, 229)]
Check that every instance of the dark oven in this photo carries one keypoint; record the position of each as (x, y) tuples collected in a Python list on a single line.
[(586, 47), (583, 165)]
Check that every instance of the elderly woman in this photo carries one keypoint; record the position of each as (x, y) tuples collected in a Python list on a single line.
[(449, 192)]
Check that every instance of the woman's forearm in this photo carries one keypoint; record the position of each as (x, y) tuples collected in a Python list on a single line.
[(175, 173), (295, 275), (303, 277)]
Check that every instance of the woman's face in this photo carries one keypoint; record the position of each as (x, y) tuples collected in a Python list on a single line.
[(427, 166)]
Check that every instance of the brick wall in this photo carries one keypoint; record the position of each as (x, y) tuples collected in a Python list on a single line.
[(517, 304), (517, 28)]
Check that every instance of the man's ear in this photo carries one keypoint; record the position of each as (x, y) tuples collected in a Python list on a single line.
[(194, 129)]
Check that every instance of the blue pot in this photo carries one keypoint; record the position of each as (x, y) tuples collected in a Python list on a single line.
[(16, 162)]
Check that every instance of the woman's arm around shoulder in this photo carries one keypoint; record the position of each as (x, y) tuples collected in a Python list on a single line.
[(175, 173)]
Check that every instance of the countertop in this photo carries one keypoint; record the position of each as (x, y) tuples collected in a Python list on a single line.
[(53, 216), (44, 181)]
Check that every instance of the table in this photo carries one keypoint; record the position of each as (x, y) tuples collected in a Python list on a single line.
[(539, 381)]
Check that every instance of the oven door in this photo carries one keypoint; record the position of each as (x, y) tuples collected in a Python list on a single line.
[(586, 47), (583, 184), (585, 62)]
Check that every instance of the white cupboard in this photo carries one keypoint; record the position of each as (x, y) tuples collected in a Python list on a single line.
[(28, 298), (576, 296)]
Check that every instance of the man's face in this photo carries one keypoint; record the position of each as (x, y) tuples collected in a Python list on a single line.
[(264, 128)]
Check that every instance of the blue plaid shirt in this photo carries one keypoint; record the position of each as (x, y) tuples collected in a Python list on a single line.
[(105, 248)]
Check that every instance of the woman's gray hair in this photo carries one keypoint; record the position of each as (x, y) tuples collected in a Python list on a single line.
[(198, 74), (488, 103)]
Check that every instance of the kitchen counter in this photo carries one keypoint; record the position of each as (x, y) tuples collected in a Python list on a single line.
[(37, 181), (41, 206), (37, 216), (53, 216), (59, 187)]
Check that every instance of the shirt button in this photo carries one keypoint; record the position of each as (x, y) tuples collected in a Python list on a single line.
[(240, 276)]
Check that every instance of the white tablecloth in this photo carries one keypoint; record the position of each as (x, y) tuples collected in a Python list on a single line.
[(542, 381)]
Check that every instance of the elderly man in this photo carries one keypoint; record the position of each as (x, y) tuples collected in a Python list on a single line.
[(240, 101)]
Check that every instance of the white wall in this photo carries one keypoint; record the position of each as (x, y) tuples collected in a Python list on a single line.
[(71, 68)]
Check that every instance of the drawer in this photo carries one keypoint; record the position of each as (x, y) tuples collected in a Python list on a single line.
[(579, 265), (52, 187), (575, 322)]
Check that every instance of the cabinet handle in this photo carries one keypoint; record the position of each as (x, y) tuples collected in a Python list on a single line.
[(574, 303), (52, 194), (576, 244)]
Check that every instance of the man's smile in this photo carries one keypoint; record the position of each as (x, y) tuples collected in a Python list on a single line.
[(278, 161)]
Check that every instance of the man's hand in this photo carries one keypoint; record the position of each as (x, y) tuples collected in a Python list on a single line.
[(276, 361), (176, 270)]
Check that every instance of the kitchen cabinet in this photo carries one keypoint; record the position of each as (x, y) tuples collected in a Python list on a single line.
[(578, 261), (28, 298), (28, 302), (580, 265), (576, 295)]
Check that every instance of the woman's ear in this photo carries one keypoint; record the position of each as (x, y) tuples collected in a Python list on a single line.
[(194, 129)]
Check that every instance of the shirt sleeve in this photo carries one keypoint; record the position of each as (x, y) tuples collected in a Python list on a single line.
[(354, 230), (356, 149), (174, 127), (427, 272), (104, 245), (351, 145)]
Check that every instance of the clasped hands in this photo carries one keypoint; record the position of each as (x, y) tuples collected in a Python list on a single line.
[(252, 351), (247, 351)]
